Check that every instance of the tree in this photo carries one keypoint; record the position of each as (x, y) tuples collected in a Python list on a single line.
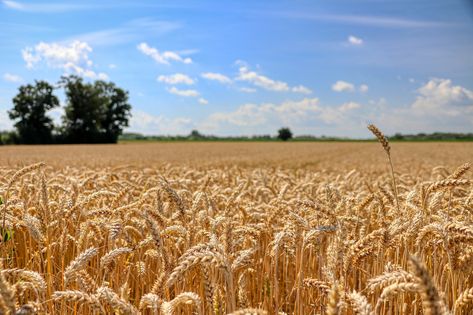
[(195, 134), (284, 134), (29, 108), (115, 110), (94, 113)]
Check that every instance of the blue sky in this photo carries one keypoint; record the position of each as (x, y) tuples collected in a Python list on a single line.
[(249, 67)]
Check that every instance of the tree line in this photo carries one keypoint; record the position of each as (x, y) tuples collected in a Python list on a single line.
[(94, 112)]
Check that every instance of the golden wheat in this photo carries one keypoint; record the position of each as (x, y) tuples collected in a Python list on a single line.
[(223, 233)]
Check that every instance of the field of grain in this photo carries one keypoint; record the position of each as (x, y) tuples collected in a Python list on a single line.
[(240, 228)]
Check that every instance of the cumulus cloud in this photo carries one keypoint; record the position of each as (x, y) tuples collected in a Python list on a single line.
[(216, 77), (164, 57), (149, 124), (301, 89), (364, 88), (177, 78), (203, 101), (253, 114), (343, 86), (440, 95), (356, 41), (72, 58), (438, 106), (12, 78), (268, 116), (185, 93)]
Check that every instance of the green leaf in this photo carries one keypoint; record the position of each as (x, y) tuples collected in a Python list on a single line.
[(6, 234)]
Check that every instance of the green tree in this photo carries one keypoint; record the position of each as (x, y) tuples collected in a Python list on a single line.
[(29, 108), (115, 110), (284, 134), (95, 112), (195, 135)]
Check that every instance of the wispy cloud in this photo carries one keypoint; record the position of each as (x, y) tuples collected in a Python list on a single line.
[(247, 90), (13, 78), (366, 20), (134, 30), (185, 93), (46, 7), (363, 88), (162, 57), (301, 89), (216, 77), (177, 78)]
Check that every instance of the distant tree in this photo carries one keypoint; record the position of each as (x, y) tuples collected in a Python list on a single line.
[(284, 134), (8, 137), (29, 108), (195, 134), (95, 112), (115, 110)]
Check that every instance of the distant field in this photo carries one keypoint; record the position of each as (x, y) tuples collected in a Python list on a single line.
[(333, 155), (236, 228)]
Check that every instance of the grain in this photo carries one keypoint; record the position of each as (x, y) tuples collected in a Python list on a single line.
[(236, 228)]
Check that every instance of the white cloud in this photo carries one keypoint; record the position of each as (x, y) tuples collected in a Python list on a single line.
[(342, 86), (439, 106), (72, 58), (260, 80), (112, 66), (247, 75), (13, 5), (301, 89), (247, 90), (164, 57), (130, 32), (216, 77), (301, 114), (412, 80), (185, 93), (5, 122), (149, 124), (12, 78), (349, 106), (253, 115), (177, 78), (364, 88), (440, 96), (203, 101), (356, 41), (46, 7), (367, 20)]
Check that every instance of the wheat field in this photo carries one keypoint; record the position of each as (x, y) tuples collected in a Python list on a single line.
[(237, 228)]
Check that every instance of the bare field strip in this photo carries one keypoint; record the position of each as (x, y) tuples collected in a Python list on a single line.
[(236, 228)]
